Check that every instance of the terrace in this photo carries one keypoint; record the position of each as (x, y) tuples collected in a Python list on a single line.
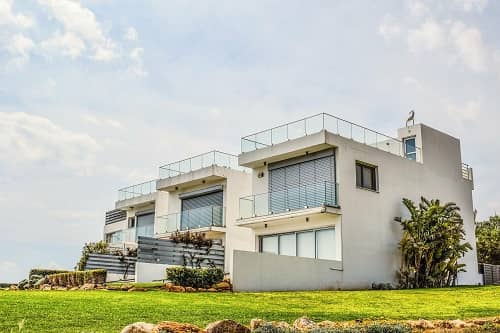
[(326, 122), (138, 194)]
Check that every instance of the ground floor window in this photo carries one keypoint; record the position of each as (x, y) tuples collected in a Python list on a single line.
[(318, 243)]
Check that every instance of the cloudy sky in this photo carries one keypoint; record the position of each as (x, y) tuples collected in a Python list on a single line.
[(95, 94)]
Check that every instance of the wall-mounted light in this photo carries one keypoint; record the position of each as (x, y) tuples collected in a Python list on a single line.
[(260, 174), (307, 219)]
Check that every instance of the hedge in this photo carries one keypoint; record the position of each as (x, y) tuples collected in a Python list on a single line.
[(45, 272), (195, 277), (78, 278)]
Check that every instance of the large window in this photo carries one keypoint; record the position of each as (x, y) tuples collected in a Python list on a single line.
[(318, 244), (366, 176), (410, 148), (145, 225)]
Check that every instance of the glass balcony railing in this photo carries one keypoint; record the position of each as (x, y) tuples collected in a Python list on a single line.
[(199, 162), (137, 190), (295, 198), (210, 216), (123, 236), (325, 121)]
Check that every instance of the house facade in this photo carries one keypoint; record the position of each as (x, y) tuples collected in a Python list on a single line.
[(306, 205)]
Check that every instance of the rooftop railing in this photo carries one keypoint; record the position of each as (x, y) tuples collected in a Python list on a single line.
[(325, 121), (210, 216), (291, 199), (137, 190), (467, 172), (199, 162)]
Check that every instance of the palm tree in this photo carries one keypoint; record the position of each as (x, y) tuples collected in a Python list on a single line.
[(431, 244)]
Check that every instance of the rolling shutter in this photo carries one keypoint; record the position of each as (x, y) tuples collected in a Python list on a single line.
[(305, 181), (211, 199), (202, 211)]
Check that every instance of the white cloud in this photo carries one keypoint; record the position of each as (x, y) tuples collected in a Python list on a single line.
[(470, 47), (68, 44), (472, 5), (30, 138), (81, 22), (9, 271), (466, 112), (131, 34), (418, 8), (19, 47), (429, 36), (388, 28), (8, 17), (100, 121), (412, 82), (137, 66)]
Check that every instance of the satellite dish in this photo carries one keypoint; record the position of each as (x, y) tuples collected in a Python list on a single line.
[(411, 118)]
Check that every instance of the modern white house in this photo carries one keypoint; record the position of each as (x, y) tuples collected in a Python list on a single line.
[(306, 205)]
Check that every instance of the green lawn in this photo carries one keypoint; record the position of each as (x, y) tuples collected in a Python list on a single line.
[(109, 311)]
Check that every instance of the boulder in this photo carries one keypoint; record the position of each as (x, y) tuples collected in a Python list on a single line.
[(328, 324), (87, 286), (421, 324), (13, 287), (224, 285), (213, 290), (173, 327), (256, 323), (226, 326), (59, 288), (201, 289), (137, 289), (304, 323), (281, 324), (457, 323), (190, 289), (177, 289), (139, 327), (45, 287), (75, 288)]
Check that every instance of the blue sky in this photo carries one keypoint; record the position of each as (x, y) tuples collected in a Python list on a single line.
[(96, 94)]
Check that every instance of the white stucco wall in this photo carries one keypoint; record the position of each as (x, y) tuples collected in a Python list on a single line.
[(369, 234)]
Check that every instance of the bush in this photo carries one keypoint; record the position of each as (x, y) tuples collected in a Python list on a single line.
[(195, 277), (42, 272), (99, 247), (78, 278)]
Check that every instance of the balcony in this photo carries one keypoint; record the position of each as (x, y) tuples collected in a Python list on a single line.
[(305, 199), (200, 169), (199, 162), (210, 218), (139, 194), (329, 123)]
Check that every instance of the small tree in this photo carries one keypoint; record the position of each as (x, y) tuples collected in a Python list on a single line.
[(431, 244), (488, 241)]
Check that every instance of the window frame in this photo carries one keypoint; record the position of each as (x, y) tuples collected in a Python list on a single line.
[(374, 172), (296, 233), (407, 154)]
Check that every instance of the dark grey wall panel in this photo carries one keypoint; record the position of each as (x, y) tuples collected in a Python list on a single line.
[(113, 264), (163, 251)]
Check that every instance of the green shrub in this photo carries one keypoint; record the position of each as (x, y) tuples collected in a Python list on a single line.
[(78, 278), (195, 277), (44, 272), (99, 247)]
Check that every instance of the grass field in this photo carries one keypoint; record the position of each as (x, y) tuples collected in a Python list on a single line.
[(109, 311)]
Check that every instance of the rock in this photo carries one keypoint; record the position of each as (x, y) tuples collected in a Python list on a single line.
[(190, 289), (126, 287), (139, 327), (224, 285), (304, 323), (61, 288), (173, 327), (177, 289), (479, 322), (13, 287), (213, 290), (40, 281), (328, 324), (421, 324), (87, 286), (168, 285), (201, 289), (45, 287), (137, 289), (75, 288), (281, 324), (226, 326), (256, 323), (457, 323)]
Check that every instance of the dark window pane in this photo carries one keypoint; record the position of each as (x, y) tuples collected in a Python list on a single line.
[(359, 175), (366, 176)]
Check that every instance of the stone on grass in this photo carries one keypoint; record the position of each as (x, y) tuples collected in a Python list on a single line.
[(13, 287), (421, 324), (256, 323), (190, 289), (213, 290), (304, 323), (226, 326), (224, 285), (87, 286), (173, 327), (457, 323), (139, 327)]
